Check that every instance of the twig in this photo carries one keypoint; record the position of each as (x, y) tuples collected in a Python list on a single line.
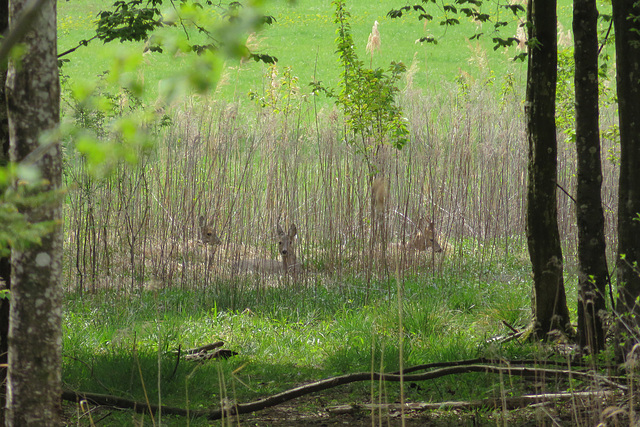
[(80, 44), (515, 331), (175, 368), (481, 360), (118, 402), (221, 353), (567, 193)]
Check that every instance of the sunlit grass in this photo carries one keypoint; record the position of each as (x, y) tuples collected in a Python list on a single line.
[(303, 38), (287, 336)]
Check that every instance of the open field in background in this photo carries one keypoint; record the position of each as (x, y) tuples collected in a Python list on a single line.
[(140, 284), (303, 38)]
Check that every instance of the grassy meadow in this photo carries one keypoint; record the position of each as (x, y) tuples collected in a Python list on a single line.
[(303, 38), (139, 284)]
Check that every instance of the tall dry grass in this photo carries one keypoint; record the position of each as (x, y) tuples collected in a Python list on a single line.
[(247, 169)]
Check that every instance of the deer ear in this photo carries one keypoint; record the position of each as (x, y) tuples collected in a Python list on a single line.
[(432, 226), (201, 221), (293, 231), (279, 230)]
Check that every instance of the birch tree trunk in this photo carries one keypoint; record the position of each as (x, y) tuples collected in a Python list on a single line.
[(35, 330)]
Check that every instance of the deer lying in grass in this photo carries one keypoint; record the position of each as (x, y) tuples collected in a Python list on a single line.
[(424, 238), (171, 254), (208, 235), (287, 251)]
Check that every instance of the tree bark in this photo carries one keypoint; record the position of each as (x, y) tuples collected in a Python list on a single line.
[(5, 261), (550, 306), (35, 331), (593, 274), (627, 33)]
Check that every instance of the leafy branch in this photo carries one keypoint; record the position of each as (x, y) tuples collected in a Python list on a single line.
[(138, 20), (450, 14), (366, 96)]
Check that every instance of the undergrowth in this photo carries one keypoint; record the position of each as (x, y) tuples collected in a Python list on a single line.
[(285, 336)]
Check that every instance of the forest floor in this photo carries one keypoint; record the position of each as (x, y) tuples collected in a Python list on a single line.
[(315, 411), (562, 414)]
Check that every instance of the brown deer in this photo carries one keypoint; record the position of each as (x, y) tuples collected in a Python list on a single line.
[(208, 235), (187, 250), (287, 251), (424, 238)]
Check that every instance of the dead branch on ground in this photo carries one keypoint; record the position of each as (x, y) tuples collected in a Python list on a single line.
[(276, 399)]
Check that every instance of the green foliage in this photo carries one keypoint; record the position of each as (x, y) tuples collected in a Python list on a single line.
[(106, 128), (450, 14), (16, 230), (366, 96), (129, 21), (137, 20), (281, 94), (565, 95)]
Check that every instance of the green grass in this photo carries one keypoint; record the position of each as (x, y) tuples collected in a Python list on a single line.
[(286, 336), (303, 38)]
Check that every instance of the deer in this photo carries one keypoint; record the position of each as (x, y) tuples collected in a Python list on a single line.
[(208, 240), (180, 253), (208, 235), (288, 263), (424, 238)]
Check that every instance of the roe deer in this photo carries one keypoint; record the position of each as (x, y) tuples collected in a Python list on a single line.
[(286, 249), (424, 238), (208, 235), (380, 194)]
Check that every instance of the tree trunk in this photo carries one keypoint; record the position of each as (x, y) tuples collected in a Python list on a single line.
[(628, 65), (550, 305), (5, 259), (593, 274), (35, 331)]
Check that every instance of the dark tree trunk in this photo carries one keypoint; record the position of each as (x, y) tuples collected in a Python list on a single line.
[(5, 283), (593, 274), (550, 306), (628, 65), (35, 330), (5, 259)]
